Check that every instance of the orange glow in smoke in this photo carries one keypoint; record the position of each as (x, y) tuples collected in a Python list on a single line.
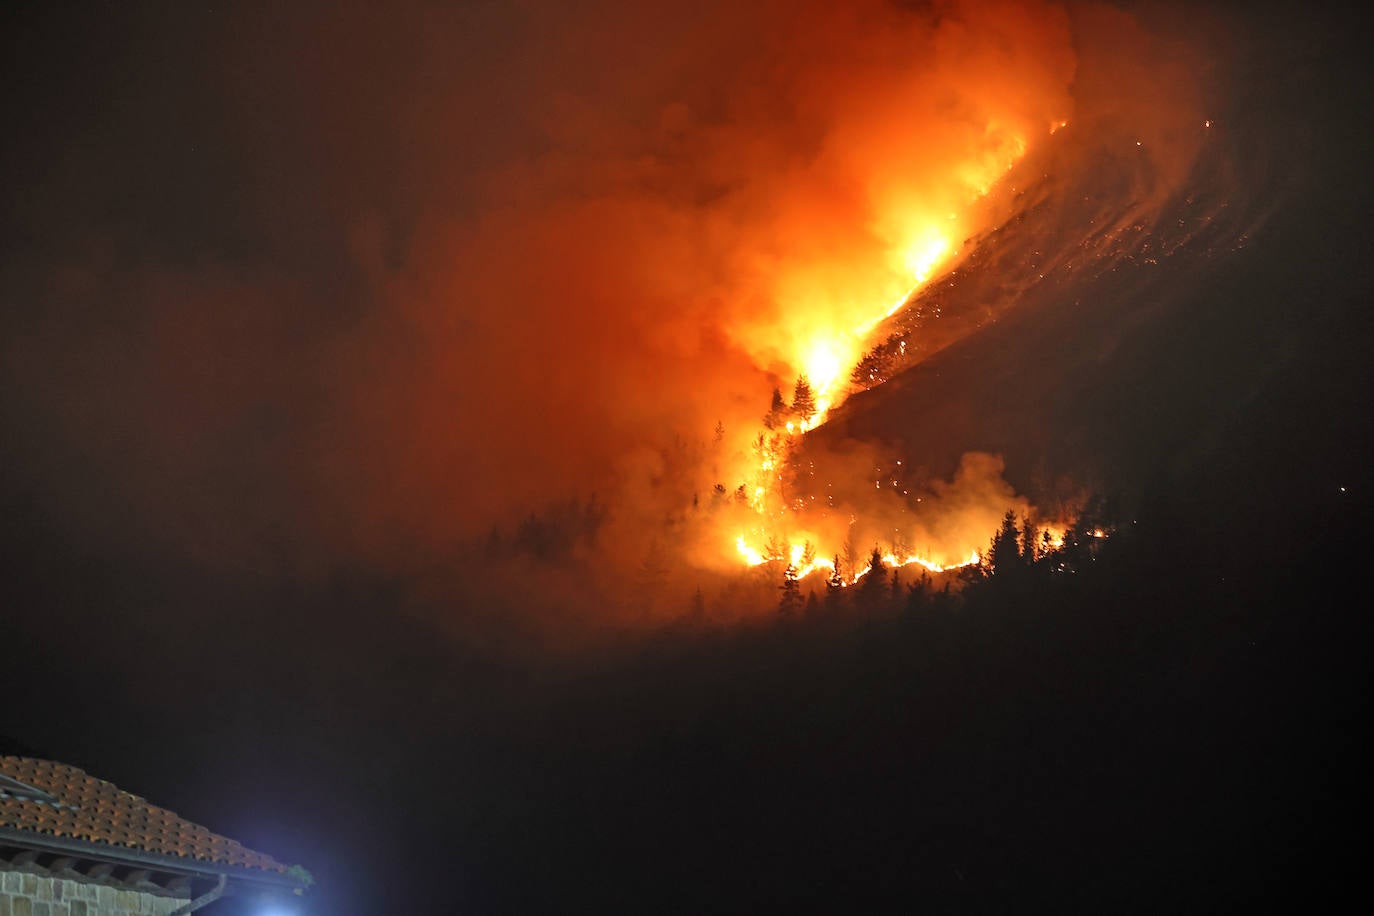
[(918, 246)]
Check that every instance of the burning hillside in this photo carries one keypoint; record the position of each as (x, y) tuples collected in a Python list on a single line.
[(1144, 182), (626, 313), (968, 208)]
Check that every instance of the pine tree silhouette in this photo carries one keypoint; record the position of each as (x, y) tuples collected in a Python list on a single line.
[(834, 587), (920, 594), (873, 588), (1005, 551), (777, 412), (1030, 541), (803, 400), (791, 601), (898, 599)]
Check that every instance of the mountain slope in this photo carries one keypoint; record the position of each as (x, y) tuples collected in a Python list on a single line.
[(1123, 332)]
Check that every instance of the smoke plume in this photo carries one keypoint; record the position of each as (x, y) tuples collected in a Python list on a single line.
[(422, 287)]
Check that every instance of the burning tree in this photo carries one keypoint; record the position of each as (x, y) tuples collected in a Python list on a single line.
[(803, 400), (880, 363), (777, 412), (834, 586), (791, 602)]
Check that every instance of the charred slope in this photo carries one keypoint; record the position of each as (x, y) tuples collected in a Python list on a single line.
[(1138, 340)]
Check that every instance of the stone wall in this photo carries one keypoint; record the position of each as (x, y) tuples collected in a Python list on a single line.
[(38, 895)]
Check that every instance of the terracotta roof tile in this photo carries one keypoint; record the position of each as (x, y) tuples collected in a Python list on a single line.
[(81, 807)]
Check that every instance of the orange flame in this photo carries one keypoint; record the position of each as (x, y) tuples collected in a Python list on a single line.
[(919, 246)]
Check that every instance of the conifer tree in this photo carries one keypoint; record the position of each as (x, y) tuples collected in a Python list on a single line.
[(873, 589), (834, 586), (775, 548), (803, 400), (791, 600), (1005, 552), (777, 412), (1070, 553), (850, 554), (920, 593), (1030, 538)]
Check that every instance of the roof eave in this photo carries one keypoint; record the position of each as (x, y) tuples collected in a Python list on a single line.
[(123, 855)]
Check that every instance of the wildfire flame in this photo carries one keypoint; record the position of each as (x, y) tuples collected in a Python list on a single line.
[(826, 358), (796, 559)]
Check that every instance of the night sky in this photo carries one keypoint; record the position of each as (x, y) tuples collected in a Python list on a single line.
[(347, 357)]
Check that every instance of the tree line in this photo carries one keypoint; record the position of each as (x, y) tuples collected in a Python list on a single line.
[(1019, 553)]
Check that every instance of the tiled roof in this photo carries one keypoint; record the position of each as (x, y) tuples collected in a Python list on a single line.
[(81, 808)]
